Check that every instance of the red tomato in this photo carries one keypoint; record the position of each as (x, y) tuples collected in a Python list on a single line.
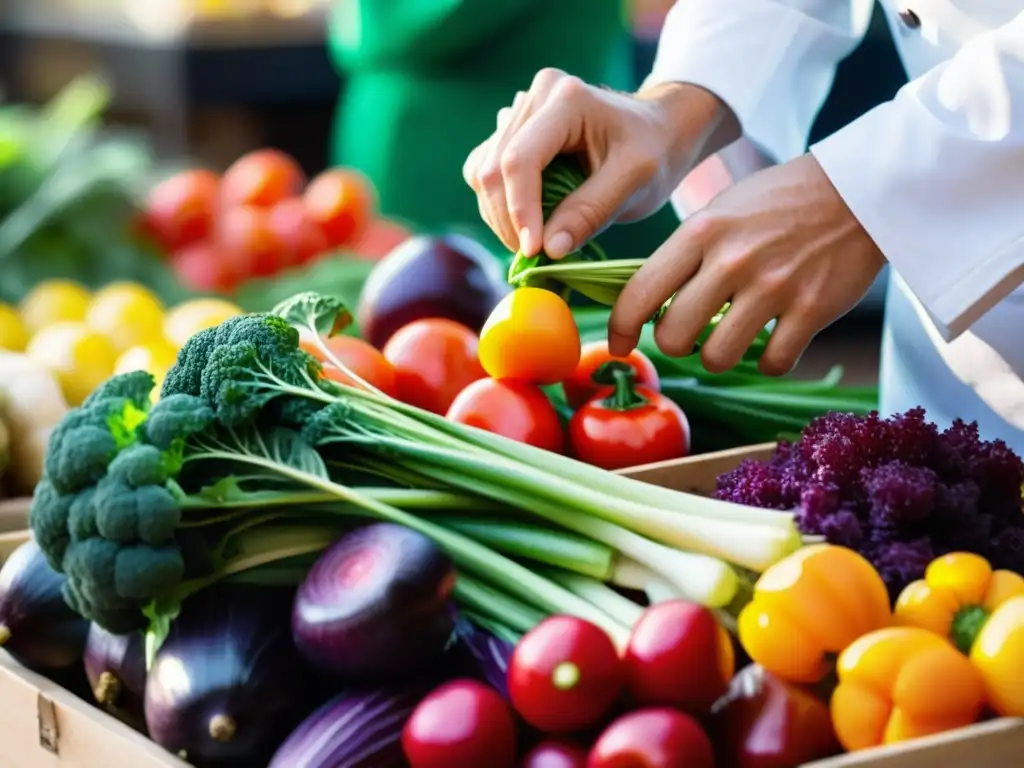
[(462, 724), (580, 386), (564, 675), (364, 360), (204, 268), (626, 425), (531, 336), (180, 210), (261, 178), (515, 409), (245, 235), (679, 656), (341, 201), (652, 738), (380, 238), (434, 360), (301, 239), (556, 754)]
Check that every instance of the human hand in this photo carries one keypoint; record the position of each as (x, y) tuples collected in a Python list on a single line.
[(637, 148), (779, 244)]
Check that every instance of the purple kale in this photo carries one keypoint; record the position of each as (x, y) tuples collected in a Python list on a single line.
[(901, 562), (898, 495), (757, 484)]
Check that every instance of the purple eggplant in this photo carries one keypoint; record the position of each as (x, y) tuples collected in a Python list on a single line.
[(451, 276), (374, 606), (36, 625), (489, 654), (358, 729), (227, 684), (116, 668)]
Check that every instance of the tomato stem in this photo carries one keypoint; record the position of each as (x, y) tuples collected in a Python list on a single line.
[(565, 676), (622, 377), (967, 623)]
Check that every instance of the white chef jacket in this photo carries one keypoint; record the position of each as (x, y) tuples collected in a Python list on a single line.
[(935, 176)]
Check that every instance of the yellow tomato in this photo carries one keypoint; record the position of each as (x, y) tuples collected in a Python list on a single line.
[(54, 301), (188, 318), (156, 357), (80, 358), (13, 335), (128, 314)]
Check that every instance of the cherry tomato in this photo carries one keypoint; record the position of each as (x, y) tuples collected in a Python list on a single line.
[(180, 210), (341, 201), (434, 360), (261, 178), (514, 409), (531, 336), (564, 675), (678, 655), (380, 238), (627, 425), (652, 738), (301, 239), (363, 359), (246, 238), (462, 724), (205, 268), (580, 386), (556, 754)]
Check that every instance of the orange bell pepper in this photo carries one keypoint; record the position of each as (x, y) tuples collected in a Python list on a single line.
[(955, 598), (809, 605), (902, 683), (998, 654)]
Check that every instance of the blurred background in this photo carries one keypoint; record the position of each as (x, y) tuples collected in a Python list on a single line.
[(119, 117)]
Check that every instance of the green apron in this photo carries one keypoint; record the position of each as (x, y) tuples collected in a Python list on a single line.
[(424, 80)]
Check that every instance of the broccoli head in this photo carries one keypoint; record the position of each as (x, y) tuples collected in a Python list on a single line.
[(175, 417)]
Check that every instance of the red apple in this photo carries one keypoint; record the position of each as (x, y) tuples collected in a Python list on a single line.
[(765, 722), (679, 656), (652, 738)]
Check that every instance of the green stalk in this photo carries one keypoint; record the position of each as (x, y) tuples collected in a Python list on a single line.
[(620, 608), (483, 599), (496, 627)]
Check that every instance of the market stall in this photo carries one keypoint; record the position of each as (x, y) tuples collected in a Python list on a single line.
[(289, 484)]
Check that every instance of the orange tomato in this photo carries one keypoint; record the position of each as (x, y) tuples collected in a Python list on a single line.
[(261, 178), (364, 360), (180, 210), (301, 239), (245, 235), (434, 360), (204, 267), (341, 202), (531, 336)]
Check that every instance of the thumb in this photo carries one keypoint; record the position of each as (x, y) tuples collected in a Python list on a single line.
[(586, 211)]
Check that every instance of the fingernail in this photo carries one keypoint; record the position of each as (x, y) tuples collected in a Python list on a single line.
[(524, 242), (559, 245)]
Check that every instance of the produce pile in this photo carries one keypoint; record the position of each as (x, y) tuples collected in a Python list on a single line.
[(260, 218)]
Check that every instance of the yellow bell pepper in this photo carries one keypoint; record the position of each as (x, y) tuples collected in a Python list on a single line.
[(809, 605), (998, 654), (955, 598), (902, 683)]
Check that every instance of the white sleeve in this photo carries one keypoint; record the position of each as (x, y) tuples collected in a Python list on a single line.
[(936, 177), (771, 61)]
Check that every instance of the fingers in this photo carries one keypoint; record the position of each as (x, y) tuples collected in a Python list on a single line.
[(489, 174), (747, 317), (793, 333), (699, 300), (675, 262)]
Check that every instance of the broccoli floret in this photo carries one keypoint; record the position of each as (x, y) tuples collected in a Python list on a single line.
[(140, 465), (48, 519), (176, 417), (135, 386), (82, 516), (148, 513), (79, 450), (185, 376)]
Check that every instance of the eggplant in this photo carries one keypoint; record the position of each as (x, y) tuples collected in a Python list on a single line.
[(375, 605), (116, 668), (358, 729), (450, 276), (37, 627), (227, 685), (490, 654)]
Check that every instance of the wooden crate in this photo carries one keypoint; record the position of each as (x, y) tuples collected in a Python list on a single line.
[(44, 726)]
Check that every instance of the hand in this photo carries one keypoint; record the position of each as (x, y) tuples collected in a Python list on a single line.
[(779, 244), (637, 149)]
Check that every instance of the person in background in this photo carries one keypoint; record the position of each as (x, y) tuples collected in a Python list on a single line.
[(931, 182), (424, 78)]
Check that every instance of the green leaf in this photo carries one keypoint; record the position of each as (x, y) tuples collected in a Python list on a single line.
[(312, 311), (289, 448)]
